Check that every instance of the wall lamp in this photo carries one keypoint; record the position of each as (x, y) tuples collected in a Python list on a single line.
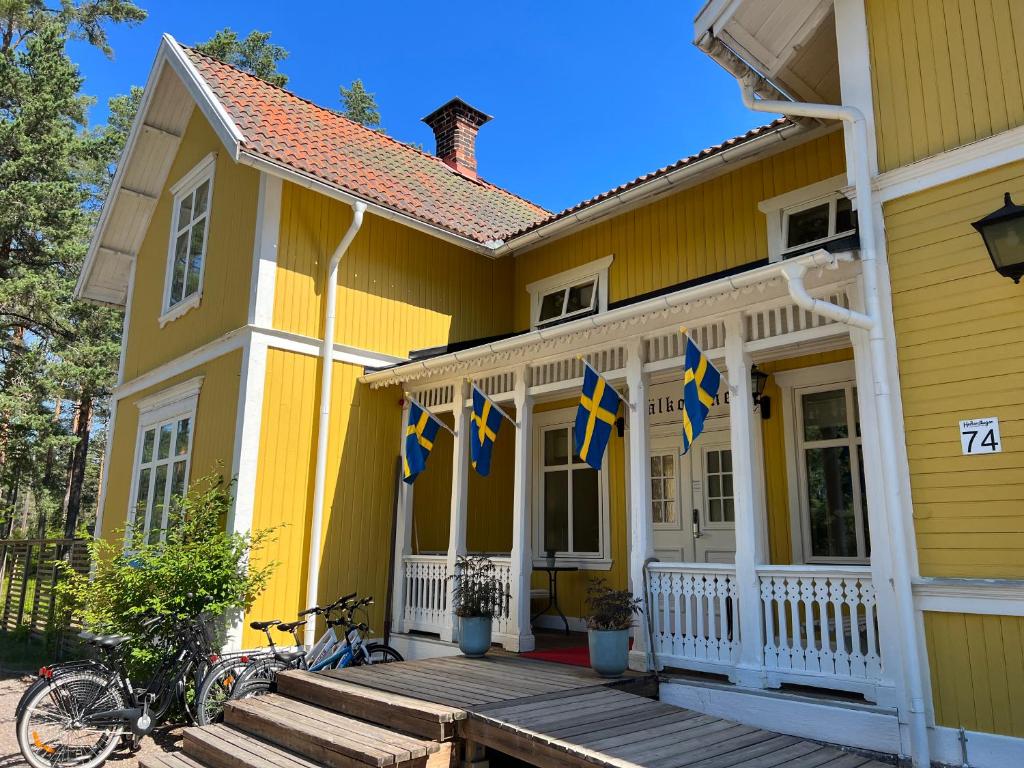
[(1003, 233), (758, 379)]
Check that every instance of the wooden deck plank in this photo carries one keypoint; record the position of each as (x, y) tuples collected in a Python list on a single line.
[(779, 748), (622, 723)]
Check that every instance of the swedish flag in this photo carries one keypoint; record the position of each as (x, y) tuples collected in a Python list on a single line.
[(599, 404), (483, 431), (419, 440), (700, 387)]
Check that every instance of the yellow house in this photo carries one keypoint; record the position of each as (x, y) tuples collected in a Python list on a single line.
[(850, 521)]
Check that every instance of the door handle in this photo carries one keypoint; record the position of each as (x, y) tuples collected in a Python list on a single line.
[(696, 524)]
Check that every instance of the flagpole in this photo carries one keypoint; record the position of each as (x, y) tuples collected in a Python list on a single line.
[(583, 360), (416, 402), (496, 407)]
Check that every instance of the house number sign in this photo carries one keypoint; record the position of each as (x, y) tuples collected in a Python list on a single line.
[(980, 436)]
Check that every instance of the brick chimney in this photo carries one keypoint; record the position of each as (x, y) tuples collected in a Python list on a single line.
[(455, 125)]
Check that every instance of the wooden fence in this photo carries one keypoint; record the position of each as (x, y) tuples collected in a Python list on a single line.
[(28, 580)]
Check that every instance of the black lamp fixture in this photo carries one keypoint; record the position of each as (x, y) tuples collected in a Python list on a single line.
[(1003, 233), (758, 379)]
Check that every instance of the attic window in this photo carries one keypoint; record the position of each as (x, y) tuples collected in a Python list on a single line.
[(817, 222), (571, 294), (190, 229)]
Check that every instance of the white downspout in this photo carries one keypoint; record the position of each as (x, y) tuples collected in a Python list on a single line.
[(883, 397), (324, 425)]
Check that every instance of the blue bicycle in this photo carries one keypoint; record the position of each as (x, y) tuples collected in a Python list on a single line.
[(260, 676)]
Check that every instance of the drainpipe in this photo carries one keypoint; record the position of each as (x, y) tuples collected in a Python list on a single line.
[(324, 426), (872, 322)]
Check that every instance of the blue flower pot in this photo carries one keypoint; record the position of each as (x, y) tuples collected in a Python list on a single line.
[(609, 651), (474, 635)]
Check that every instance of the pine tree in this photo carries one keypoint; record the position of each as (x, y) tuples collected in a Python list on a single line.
[(255, 54), (360, 105)]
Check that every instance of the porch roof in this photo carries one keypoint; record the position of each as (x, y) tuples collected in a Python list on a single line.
[(499, 349)]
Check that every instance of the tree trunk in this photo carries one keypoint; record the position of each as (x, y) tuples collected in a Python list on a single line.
[(79, 460)]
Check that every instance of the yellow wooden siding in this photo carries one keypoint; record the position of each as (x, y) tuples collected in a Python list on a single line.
[(710, 227), (780, 549), (977, 671), (212, 442), (399, 289), (360, 484), (944, 73), (960, 338), (226, 278)]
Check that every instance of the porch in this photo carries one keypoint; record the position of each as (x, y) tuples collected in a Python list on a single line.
[(743, 589)]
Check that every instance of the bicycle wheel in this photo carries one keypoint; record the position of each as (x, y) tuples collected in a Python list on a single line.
[(216, 690), (257, 686), (378, 653), (262, 669), (52, 732)]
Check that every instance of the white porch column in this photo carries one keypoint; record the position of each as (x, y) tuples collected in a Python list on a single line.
[(748, 493), (522, 550), (403, 538), (460, 487), (641, 528)]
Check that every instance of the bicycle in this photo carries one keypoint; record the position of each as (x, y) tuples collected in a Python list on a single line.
[(261, 678), (79, 712), (216, 687)]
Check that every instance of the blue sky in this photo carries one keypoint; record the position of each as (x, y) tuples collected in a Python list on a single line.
[(585, 95)]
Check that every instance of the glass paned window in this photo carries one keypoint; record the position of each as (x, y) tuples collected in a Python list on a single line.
[(571, 504), (818, 222), (161, 475), (718, 481), (189, 239), (571, 301), (833, 475), (663, 488)]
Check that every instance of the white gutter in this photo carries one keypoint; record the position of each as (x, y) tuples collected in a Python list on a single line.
[(794, 272), (872, 322), (610, 206), (743, 280), (324, 426)]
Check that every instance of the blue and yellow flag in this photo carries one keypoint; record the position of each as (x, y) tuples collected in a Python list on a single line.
[(483, 430), (419, 439), (700, 387), (599, 405)]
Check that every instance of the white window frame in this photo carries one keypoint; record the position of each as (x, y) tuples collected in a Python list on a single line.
[(598, 561), (563, 281), (778, 209), (167, 406), (203, 172), (794, 384)]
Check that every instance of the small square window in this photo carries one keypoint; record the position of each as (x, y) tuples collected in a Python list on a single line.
[(574, 293), (817, 222), (565, 303)]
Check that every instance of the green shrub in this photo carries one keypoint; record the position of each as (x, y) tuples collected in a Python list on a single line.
[(610, 608), (199, 566)]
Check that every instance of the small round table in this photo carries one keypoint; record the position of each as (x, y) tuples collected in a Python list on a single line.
[(553, 571)]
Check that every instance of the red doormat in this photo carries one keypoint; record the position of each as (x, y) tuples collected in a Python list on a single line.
[(577, 657)]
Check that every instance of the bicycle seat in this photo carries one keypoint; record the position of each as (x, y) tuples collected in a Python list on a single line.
[(111, 642), (88, 637), (259, 626), (291, 625), (289, 656)]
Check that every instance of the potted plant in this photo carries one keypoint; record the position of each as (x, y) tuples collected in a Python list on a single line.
[(477, 595), (611, 616)]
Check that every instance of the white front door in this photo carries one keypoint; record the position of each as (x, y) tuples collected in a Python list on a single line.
[(692, 507)]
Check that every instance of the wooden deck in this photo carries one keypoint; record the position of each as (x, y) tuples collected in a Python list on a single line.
[(442, 713)]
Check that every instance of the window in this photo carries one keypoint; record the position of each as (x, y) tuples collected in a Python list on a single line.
[(817, 222), (571, 498), (832, 475), (571, 294), (162, 457), (663, 489), (808, 217), (718, 481), (189, 234)]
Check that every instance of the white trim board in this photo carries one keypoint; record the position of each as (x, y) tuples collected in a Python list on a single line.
[(856, 725), (983, 155), (994, 597), (984, 750)]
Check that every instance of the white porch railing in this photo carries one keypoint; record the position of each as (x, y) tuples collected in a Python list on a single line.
[(426, 592), (695, 615), (820, 621)]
